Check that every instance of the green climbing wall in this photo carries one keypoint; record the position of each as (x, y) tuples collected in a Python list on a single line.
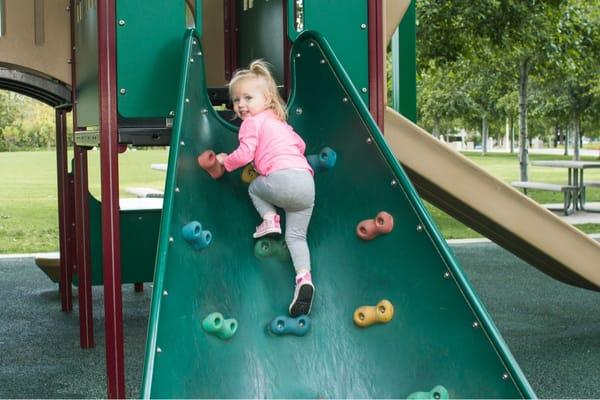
[(440, 334)]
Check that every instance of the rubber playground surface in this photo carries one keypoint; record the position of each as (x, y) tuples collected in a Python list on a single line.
[(552, 329)]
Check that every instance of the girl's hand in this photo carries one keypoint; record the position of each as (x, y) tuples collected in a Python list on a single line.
[(221, 157)]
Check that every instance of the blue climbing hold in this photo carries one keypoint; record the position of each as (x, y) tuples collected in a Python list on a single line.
[(198, 238), (284, 325), (324, 160)]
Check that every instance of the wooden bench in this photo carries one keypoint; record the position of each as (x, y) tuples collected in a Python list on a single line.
[(569, 191), (587, 184)]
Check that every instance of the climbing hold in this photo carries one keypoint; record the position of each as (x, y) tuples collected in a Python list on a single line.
[(269, 247), (284, 325), (324, 160), (249, 173), (208, 161), (438, 392), (215, 324), (192, 232), (381, 313), (371, 228)]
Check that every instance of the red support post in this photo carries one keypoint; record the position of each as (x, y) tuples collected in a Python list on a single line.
[(376, 62), (65, 209), (80, 243), (83, 266), (231, 37), (109, 173)]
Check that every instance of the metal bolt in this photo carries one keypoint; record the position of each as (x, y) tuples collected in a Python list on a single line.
[(394, 183), (322, 61), (363, 26), (158, 350), (191, 60), (171, 240), (172, 113), (176, 190), (121, 22), (475, 324), (204, 111), (165, 293), (446, 275), (311, 44), (419, 228), (505, 376), (123, 91), (199, 53), (364, 90), (299, 111), (369, 140), (298, 55), (187, 100), (194, 42), (68, 61), (344, 100), (182, 143)]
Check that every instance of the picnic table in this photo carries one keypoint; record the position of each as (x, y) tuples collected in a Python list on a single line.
[(575, 177)]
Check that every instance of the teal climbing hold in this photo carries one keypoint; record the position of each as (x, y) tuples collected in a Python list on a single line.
[(284, 325), (270, 247), (215, 324), (325, 159), (438, 392), (198, 238)]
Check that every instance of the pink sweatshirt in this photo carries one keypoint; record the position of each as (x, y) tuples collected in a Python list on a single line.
[(270, 143)]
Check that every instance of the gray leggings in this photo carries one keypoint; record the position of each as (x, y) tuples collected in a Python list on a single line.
[(294, 191)]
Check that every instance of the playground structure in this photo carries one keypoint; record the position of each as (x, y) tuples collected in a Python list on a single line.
[(331, 63)]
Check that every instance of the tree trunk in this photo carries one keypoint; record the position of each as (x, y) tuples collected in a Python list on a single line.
[(484, 135), (436, 128), (524, 151), (576, 134), (567, 135), (512, 135)]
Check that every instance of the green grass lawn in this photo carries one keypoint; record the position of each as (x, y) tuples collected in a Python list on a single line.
[(28, 200)]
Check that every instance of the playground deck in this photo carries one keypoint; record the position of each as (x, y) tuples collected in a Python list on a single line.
[(553, 330)]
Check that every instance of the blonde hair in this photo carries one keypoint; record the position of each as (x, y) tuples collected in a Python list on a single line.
[(260, 69)]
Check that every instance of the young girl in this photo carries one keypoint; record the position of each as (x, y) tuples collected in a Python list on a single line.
[(286, 178)]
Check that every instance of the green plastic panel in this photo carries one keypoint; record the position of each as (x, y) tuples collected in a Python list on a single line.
[(440, 334), (139, 235), (345, 25), (86, 63), (261, 34), (149, 37)]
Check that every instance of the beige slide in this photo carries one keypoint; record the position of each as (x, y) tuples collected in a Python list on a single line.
[(464, 190)]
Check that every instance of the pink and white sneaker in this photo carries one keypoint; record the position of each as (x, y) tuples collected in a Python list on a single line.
[(267, 227), (303, 295)]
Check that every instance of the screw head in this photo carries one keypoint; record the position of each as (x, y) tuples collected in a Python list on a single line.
[(446, 275), (475, 324), (363, 26), (171, 240), (121, 22), (299, 111), (419, 228), (165, 293), (176, 190), (344, 99), (191, 60), (364, 90), (369, 140), (505, 376), (122, 90)]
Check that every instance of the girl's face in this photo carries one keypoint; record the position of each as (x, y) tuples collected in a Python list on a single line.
[(250, 98)]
